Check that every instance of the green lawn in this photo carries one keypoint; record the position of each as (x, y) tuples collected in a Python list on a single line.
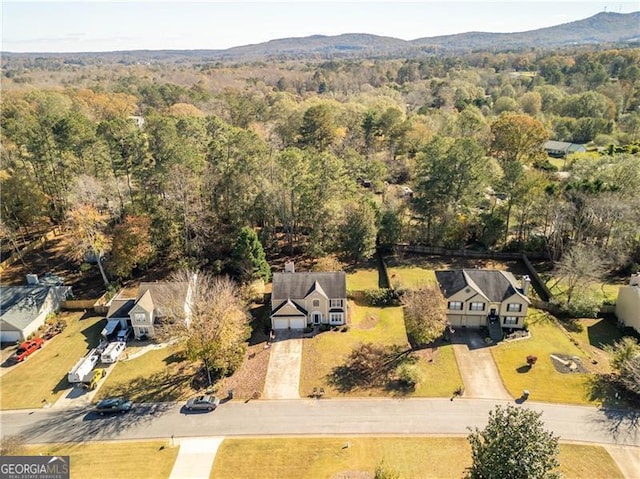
[(362, 279), (322, 353), (43, 376), (115, 460), (411, 457), (605, 291), (543, 381), (158, 375), (410, 276)]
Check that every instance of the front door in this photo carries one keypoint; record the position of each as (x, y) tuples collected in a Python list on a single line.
[(493, 312), (317, 318)]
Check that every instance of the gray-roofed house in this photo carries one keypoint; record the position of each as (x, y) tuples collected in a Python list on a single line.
[(560, 149), (306, 299), (151, 304), (489, 298), (23, 309)]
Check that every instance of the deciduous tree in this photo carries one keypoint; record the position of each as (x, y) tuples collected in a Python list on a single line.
[(87, 228), (425, 314)]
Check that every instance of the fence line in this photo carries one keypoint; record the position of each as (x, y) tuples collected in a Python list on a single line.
[(28, 248)]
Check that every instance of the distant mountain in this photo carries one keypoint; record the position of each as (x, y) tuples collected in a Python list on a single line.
[(602, 28)]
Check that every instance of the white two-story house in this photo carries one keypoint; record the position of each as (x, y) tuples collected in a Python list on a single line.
[(480, 297), (306, 299)]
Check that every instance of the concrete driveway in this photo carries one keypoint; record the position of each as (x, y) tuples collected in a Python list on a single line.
[(477, 367), (283, 375)]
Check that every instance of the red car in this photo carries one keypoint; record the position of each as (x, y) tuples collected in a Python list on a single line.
[(27, 348)]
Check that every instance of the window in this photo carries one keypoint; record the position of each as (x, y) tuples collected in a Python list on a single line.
[(316, 303), (335, 318), (335, 303), (510, 320), (142, 331), (139, 317), (514, 307), (456, 305), (476, 307)]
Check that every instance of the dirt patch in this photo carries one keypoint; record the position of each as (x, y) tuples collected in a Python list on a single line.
[(566, 364), (250, 377), (353, 475), (369, 322)]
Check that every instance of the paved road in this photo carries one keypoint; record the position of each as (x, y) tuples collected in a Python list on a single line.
[(313, 417)]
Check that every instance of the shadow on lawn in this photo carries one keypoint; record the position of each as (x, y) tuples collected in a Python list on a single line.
[(168, 385)]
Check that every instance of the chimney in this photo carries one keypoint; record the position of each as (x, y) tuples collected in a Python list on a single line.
[(526, 282), (634, 280), (289, 267)]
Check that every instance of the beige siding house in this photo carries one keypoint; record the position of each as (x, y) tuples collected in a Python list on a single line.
[(299, 300), (150, 305), (484, 298), (628, 303)]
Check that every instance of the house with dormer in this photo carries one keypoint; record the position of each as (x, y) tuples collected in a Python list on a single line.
[(151, 304), (306, 299), (485, 298)]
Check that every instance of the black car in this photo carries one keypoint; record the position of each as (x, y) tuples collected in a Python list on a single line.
[(203, 403), (112, 405)]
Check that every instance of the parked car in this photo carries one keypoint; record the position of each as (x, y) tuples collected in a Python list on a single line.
[(26, 349), (124, 334), (203, 403), (113, 405), (93, 378)]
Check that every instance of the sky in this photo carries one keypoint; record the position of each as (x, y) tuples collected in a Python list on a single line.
[(93, 26)]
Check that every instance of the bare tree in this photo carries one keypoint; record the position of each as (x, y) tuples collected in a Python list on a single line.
[(216, 327), (581, 266)]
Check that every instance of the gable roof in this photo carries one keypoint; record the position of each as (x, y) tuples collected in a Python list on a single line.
[(20, 305), (150, 297), (145, 301), (120, 307), (297, 307), (495, 285), (299, 285), (564, 146)]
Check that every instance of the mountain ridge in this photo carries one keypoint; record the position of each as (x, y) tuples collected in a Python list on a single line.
[(601, 28)]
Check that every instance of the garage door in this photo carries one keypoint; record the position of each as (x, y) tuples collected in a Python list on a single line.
[(298, 323), (280, 323), (9, 336)]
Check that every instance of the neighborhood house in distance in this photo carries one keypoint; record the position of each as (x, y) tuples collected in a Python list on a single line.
[(480, 297), (628, 303), (306, 299), (150, 304), (23, 309)]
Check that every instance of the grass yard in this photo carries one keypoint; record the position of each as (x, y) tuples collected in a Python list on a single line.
[(328, 350), (115, 460), (593, 335), (158, 375), (543, 381), (409, 275), (362, 279), (411, 457), (607, 292), (43, 376)]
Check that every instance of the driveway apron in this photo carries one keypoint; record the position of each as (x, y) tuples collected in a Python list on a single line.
[(627, 458), (283, 375), (477, 368), (195, 458)]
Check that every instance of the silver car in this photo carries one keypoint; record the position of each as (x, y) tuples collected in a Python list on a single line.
[(203, 403)]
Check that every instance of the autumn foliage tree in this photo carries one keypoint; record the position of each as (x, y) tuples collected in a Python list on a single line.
[(425, 314), (132, 245), (87, 227), (217, 327)]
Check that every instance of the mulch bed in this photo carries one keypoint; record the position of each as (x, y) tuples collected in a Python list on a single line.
[(567, 364)]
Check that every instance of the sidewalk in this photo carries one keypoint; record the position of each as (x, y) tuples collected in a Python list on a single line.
[(195, 457)]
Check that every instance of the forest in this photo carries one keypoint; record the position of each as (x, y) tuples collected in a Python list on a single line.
[(171, 161)]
